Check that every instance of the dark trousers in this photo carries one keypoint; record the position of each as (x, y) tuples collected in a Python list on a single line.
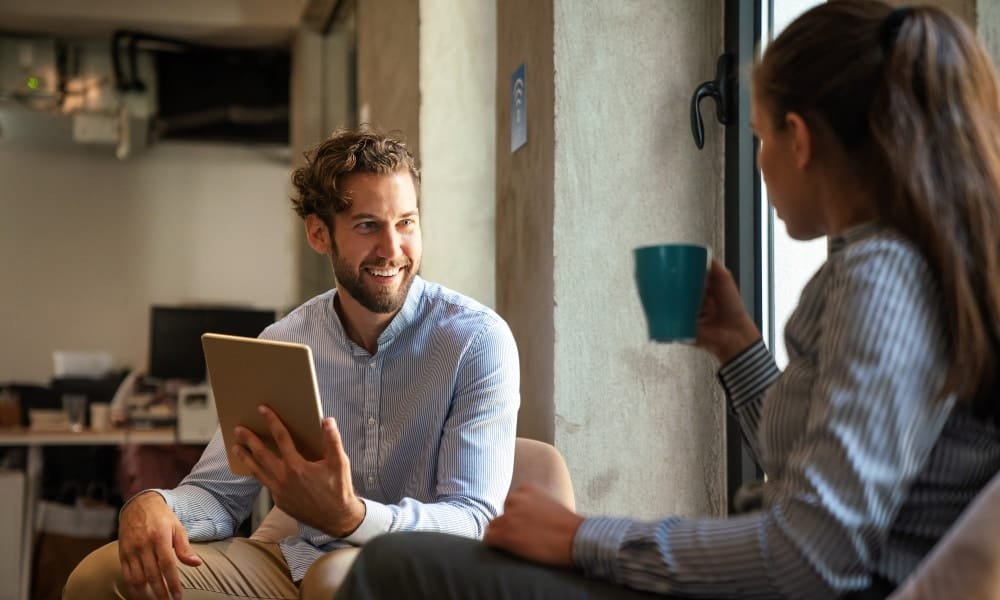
[(441, 567), (438, 566), (880, 589)]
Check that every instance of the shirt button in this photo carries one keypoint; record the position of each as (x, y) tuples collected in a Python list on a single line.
[(371, 421), (371, 479), (372, 364)]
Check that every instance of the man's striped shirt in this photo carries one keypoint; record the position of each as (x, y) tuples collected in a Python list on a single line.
[(428, 423)]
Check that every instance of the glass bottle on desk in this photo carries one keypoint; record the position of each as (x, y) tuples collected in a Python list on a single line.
[(75, 406)]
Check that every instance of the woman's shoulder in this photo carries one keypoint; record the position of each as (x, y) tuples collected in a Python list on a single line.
[(883, 271), (882, 253)]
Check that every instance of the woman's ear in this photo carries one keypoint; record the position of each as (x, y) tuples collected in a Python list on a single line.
[(318, 234), (802, 139)]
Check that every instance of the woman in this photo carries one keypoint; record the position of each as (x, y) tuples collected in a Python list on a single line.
[(878, 129)]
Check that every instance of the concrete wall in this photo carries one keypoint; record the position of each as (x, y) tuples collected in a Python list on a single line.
[(388, 38), (988, 25), (89, 243), (427, 69), (322, 97), (627, 173), (609, 165), (524, 207)]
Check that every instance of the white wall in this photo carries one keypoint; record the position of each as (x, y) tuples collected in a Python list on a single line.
[(89, 243), (458, 57)]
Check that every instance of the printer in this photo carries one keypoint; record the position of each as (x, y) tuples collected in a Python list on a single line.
[(196, 417)]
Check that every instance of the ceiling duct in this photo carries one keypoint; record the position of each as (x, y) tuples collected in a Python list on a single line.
[(207, 92), (146, 88), (58, 93)]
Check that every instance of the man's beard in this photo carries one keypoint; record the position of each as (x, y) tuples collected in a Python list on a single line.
[(380, 300)]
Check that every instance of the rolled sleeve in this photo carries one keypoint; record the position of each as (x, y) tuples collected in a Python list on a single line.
[(596, 545)]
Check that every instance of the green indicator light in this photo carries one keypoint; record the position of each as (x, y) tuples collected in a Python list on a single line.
[(33, 83)]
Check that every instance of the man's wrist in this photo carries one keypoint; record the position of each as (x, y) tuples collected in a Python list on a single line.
[(141, 498), (356, 516)]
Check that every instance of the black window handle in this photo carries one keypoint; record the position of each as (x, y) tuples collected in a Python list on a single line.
[(719, 90)]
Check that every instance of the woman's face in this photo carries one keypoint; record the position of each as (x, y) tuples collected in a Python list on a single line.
[(779, 157)]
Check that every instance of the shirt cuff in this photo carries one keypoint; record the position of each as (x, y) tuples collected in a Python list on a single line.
[(378, 518), (163, 494), (748, 374), (596, 545)]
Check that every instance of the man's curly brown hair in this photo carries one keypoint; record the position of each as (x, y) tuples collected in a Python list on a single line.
[(319, 183)]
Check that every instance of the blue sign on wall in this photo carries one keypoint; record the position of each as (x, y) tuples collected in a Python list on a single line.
[(518, 110)]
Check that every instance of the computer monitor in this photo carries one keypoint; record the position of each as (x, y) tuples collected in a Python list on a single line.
[(175, 336)]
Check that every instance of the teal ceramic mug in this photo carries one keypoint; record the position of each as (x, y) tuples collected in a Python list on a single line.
[(671, 281)]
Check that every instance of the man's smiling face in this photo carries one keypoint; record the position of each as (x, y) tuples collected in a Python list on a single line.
[(376, 246)]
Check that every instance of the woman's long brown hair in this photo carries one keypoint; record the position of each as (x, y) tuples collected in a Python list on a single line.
[(913, 98)]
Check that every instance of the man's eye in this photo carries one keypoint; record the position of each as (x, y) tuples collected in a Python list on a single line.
[(366, 226)]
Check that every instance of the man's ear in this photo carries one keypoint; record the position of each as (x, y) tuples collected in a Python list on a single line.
[(802, 139), (318, 234)]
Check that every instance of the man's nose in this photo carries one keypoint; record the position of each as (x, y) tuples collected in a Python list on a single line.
[(390, 244)]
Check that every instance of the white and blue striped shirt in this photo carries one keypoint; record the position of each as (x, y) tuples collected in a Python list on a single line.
[(866, 467), (428, 423)]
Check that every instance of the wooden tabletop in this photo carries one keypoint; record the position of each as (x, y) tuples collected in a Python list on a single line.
[(22, 436)]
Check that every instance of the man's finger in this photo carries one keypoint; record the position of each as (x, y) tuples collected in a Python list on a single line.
[(131, 577), (171, 577), (282, 439), (183, 549), (259, 459), (334, 445), (138, 578), (245, 456), (154, 577)]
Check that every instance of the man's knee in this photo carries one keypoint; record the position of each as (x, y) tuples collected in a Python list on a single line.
[(97, 576), (327, 574)]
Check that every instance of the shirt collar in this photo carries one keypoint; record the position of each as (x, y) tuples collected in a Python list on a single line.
[(852, 234), (406, 315)]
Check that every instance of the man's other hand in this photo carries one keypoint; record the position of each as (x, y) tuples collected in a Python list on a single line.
[(320, 492), (150, 541)]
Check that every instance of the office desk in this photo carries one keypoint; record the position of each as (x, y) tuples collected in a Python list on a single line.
[(34, 441)]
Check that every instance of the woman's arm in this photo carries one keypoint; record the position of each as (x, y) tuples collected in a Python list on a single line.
[(871, 419)]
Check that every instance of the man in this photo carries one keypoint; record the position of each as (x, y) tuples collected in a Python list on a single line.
[(419, 384)]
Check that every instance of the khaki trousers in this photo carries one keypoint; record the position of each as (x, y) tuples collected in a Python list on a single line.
[(234, 568)]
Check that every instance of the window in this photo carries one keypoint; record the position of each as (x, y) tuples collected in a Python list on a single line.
[(788, 264), (770, 268)]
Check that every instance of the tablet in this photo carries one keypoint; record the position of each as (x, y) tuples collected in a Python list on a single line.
[(247, 372)]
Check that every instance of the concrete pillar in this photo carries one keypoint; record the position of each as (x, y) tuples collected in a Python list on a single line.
[(525, 196), (988, 26), (427, 69), (388, 57), (322, 98), (609, 165)]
